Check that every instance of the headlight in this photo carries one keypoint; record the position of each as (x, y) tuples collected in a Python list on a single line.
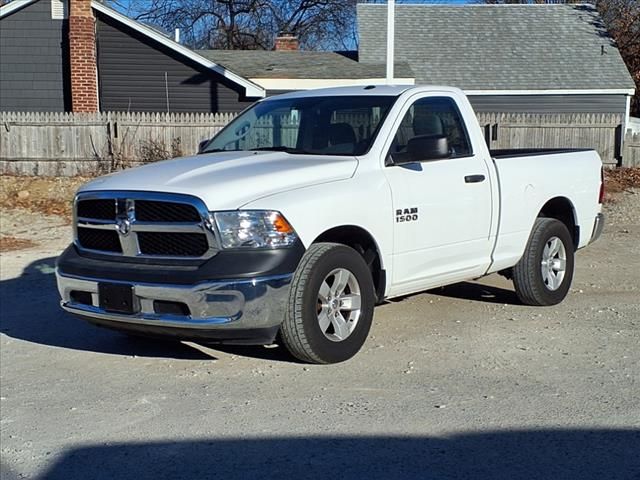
[(254, 229)]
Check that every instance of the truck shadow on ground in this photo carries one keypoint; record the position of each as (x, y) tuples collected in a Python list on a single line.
[(468, 291), (528, 454), (478, 292), (30, 311)]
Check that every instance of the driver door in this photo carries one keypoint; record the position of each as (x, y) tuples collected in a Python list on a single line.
[(442, 205)]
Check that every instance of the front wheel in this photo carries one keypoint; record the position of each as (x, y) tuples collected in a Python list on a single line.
[(544, 273), (330, 305)]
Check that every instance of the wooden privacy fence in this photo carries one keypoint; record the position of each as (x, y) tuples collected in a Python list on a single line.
[(70, 144), (602, 132), (631, 155)]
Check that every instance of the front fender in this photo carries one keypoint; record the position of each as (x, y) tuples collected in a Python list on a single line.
[(363, 201)]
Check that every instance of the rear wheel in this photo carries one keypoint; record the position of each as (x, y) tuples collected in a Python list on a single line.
[(330, 305), (544, 273)]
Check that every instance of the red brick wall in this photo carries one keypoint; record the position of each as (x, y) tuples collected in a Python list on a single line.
[(82, 54), (287, 43)]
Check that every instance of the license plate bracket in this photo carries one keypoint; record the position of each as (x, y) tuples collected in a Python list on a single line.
[(116, 298)]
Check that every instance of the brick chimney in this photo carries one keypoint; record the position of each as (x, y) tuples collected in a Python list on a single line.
[(82, 56), (286, 42)]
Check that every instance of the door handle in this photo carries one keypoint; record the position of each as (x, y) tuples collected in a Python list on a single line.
[(474, 178)]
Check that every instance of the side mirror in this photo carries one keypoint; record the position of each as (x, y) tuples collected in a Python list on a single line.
[(428, 147), (203, 144)]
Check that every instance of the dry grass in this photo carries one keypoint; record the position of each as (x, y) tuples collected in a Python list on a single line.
[(10, 244), (46, 195)]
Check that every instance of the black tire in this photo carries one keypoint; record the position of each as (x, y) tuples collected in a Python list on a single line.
[(528, 279), (301, 332)]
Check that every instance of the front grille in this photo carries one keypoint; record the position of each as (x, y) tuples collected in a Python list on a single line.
[(139, 224), (106, 240), (100, 209), (173, 244), (148, 211)]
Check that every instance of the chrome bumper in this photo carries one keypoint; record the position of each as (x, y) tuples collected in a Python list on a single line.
[(598, 227), (213, 306)]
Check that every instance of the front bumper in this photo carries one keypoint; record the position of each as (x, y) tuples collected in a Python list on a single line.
[(232, 311)]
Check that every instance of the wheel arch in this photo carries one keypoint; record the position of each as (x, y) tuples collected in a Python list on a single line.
[(563, 210), (365, 244)]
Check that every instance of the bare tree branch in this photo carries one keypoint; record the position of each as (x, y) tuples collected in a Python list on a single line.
[(251, 24)]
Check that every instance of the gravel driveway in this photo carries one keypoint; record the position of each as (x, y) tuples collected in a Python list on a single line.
[(456, 383)]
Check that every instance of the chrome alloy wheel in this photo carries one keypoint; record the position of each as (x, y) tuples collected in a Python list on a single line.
[(554, 263), (339, 304)]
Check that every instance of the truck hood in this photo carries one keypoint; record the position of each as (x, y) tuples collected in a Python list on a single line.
[(229, 180)]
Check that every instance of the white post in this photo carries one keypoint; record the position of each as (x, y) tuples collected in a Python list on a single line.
[(176, 36), (390, 38), (627, 115)]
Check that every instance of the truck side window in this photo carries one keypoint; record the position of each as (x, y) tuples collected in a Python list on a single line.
[(433, 117)]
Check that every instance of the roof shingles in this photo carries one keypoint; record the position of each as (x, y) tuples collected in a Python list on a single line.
[(498, 47), (300, 64)]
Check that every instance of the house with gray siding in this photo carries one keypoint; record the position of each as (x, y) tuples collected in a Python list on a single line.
[(34, 69), (133, 67), (547, 58), (510, 59), (137, 72)]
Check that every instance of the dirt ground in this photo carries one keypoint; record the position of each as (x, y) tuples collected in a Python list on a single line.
[(461, 382)]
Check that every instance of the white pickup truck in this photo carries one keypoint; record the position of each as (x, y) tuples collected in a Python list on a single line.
[(311, 207)]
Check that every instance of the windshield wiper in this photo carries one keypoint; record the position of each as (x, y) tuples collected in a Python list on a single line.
[(260, 149), (281, 148), (215, 150)]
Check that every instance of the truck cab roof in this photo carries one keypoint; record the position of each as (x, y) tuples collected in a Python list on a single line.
[(386, 90)]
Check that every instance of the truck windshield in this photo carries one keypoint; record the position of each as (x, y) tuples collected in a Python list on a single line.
[(338, 125)]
